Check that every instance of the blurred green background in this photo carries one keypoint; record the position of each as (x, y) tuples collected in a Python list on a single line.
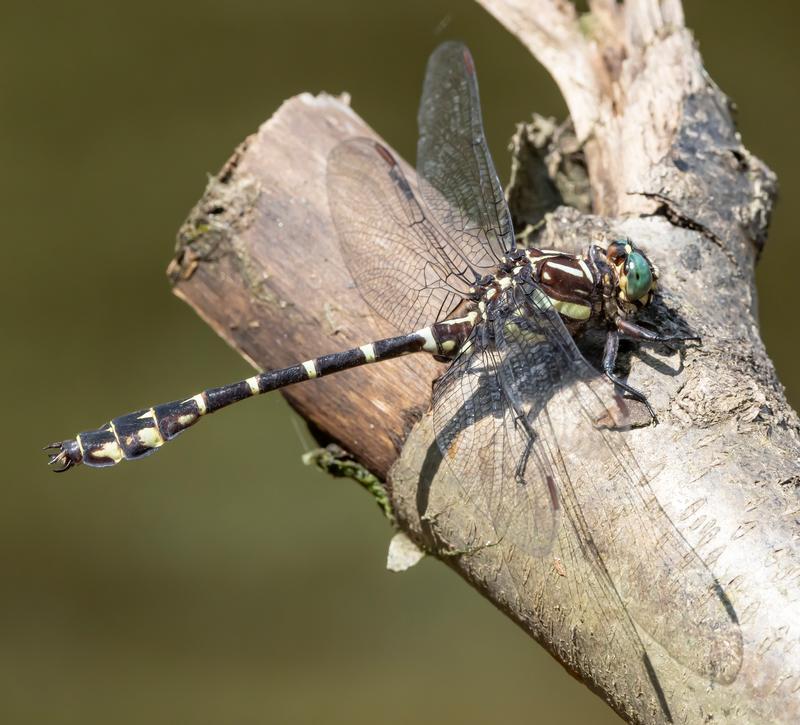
[(196, 587)]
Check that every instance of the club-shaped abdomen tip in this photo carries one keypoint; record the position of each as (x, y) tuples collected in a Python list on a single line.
[(64, 455)]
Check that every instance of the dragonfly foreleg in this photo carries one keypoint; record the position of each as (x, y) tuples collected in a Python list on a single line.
[(635, 332)]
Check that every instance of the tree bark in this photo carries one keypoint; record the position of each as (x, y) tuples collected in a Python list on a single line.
[(259, 261)]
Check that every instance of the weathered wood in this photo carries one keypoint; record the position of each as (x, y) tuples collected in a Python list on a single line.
[(259, 260), (666, 166)]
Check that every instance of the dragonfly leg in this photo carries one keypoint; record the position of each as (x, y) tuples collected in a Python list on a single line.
[(609, 363), (522, 464), (521, 419), (635, 332)]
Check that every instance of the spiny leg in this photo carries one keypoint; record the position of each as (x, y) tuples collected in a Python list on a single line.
[(609, 363), (530, 438), (635, 332), (522, 463)]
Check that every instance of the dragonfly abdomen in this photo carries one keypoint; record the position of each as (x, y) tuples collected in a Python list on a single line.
[(136, 435)]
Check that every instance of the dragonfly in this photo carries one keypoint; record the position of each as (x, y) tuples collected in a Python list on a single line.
[(531, 432)]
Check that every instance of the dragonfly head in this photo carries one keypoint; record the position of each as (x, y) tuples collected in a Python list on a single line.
[(636, 275)]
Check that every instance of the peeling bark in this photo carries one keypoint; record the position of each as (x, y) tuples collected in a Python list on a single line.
[(656, 152)]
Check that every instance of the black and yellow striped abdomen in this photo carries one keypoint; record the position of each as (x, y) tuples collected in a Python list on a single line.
[(139, 434)]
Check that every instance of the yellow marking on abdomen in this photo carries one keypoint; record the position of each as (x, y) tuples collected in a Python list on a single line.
[(369, 352), (150, 437), (110, 450), (252, 383), (200, 402), (113, 429), (426, 333), (311, 369)]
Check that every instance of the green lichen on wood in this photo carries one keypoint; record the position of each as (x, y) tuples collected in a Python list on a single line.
[(339, 463)]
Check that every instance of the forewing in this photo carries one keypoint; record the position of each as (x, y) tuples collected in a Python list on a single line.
[(456, 175), (636, 551), (404, 266)]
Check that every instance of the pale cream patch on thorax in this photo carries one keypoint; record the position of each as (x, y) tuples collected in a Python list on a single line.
[(565, 269), (572, 309)]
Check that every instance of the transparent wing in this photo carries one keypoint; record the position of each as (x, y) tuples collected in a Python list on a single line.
[(405, 268), (456, 175), (488, 450), (638, 555), (482, 442)]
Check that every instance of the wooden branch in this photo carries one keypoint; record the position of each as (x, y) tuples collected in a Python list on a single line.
[(259, 260), (665, 166)]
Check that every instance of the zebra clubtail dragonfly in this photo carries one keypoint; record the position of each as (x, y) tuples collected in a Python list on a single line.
[(519, 413)]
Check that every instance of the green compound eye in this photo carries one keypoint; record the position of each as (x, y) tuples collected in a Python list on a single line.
[(639, 276)]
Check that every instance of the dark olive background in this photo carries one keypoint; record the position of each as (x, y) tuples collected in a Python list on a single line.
[(221, 581)]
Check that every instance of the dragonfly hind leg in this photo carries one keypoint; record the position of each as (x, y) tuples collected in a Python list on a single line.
[(522, 463), (519, 473)]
